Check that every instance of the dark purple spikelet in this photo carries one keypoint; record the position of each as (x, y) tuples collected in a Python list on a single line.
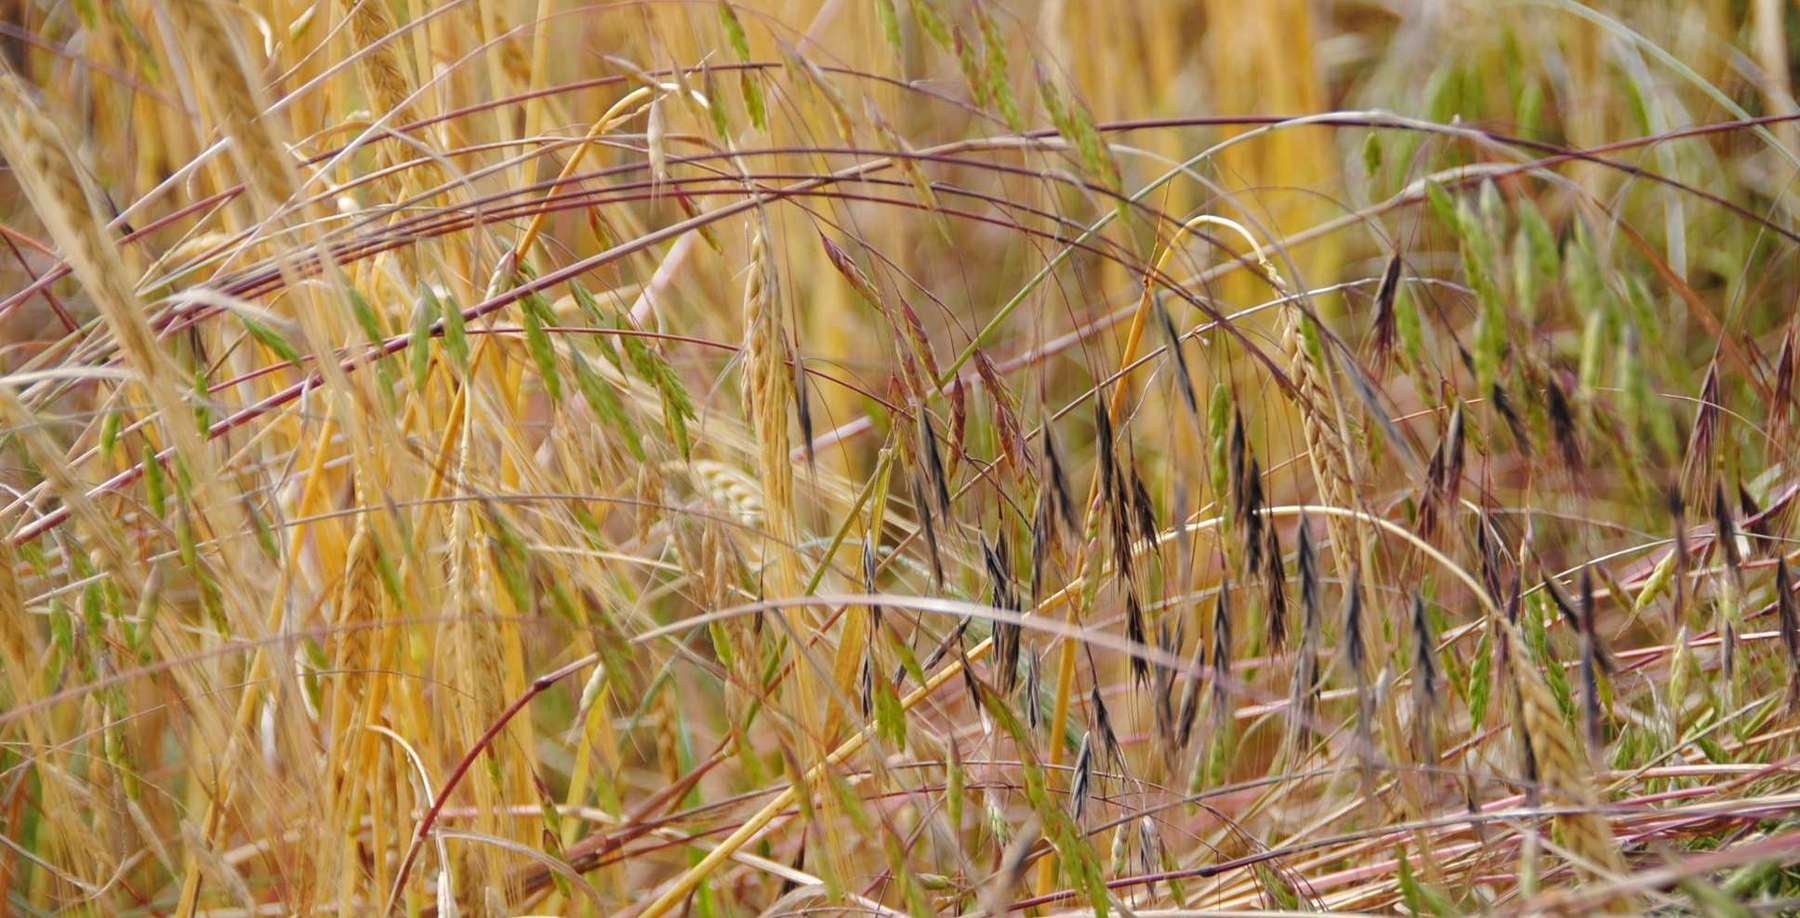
[(1594, 660), (1503, 404), (1103, 439), (1781, 401), (1137, 634), (803, 409), (934, 462), (1084, 777), (1275, 589), (1757, 524), (1706, 423), (1040, 546), (1725, 533), (1426, 683), (1168, 642), (1453, 462), (1109, 741), (1790, 629), (1562, 602), (1304, 699), (928, 521), (1562, 426), (869, 569), (1386, 326), (1183, 379), (1059, 481), (1144, 512), (1006, 634), (1221, 657), (1034, 681)]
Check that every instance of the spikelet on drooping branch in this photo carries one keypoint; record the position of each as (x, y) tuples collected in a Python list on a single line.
[(928, 523), (1494, 571), (1246, 494), (1443, 478), (1356, 657), (1056, 481), (1697, 464), (1595, 661), (1731, 586), (1143, 511), (1303, 697), (1213, 765), (1184, 382), (957, 396), (1006, 634), (1761, 526), (1168, 640), (1187, 714), (1275, 590), (1044, 531), (1116, 505), (1562, 430), (1670, 571), (649, 497), (1683, 558), (1083, 783), (1781, 402), (1387, 324), (1426, 685), (997, 896), (1109, 739), (1790, 631), (1503, 406), (932, 460)]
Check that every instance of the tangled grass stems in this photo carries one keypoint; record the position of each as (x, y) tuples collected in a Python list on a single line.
[(413, 377)]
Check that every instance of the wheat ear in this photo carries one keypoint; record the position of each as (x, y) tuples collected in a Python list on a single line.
[(767, 389), (262, 158), (1563, 771), (384, 79)]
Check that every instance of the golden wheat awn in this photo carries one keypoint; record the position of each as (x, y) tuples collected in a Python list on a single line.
[(897, 457)]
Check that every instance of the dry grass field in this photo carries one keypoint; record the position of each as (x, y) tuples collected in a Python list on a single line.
[(899, 457)]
